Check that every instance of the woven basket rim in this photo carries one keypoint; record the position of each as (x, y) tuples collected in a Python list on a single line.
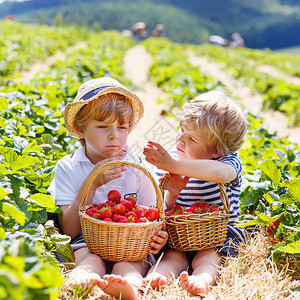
[(159, 197)]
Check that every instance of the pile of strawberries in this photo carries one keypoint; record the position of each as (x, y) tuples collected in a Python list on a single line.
[(199, 207), (122, 211)]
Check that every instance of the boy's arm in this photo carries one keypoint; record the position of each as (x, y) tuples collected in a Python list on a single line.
[(69, 220), (203, 169)]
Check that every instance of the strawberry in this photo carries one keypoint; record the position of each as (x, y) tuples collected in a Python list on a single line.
[(131, 216), (139, 212), (90, 212), (114, 195), (214, 208), (170, 213), (142, 220), (97, 216), (105, 204), (107, 219), (190, 210), (123, 219), (110, 203), (116, 218), (178, 210), (119, 209), (106, 212), (204, 205), (127, 205), (151, 214), (269, 231), (131, 200)]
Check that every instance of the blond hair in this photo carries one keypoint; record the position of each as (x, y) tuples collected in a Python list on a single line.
[(110, 105), (217, 119)]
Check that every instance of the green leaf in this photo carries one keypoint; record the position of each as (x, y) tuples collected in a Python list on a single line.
[(23, 161), (3, 193), (13, 211), (271, 170), (43, 200), (294, 188), (8, 154), (292, 247)]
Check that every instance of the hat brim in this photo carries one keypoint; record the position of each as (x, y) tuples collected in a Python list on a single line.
[(73, 108)]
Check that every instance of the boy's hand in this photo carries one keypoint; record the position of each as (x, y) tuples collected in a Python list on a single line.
[(159, 240), (158, 156), (176, 183), (108, 174)]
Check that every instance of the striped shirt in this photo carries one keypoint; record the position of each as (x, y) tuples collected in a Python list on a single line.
[(210, 192)]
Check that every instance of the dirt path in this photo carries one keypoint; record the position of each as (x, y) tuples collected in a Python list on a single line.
[(152, 126), (41, 66), (252, 102)]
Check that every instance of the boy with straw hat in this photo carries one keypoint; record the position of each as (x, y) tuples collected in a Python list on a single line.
[(101, 116)]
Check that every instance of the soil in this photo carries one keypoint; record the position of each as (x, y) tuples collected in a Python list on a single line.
[(276, 120), (153, 126)]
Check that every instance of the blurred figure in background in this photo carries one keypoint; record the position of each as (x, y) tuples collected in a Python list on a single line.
[(158, 30), (218, 40), (237, 41), (140, 30)]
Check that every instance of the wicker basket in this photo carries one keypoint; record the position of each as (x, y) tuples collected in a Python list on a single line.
[(199, 231), (119, 241)]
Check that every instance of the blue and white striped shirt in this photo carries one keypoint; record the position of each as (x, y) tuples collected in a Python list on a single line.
[(210, 192)]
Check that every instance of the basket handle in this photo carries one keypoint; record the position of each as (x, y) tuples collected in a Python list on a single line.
[(159, 197), (223, 194)]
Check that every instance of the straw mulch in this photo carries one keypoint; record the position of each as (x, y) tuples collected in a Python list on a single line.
[(251, 275)]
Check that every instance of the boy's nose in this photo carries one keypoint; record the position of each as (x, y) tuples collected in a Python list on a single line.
[(180, 138), (112, 137)]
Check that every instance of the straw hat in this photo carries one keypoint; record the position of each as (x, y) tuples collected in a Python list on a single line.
[(95, 88)]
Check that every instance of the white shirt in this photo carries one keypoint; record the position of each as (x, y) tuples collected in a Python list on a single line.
[(72, 169)]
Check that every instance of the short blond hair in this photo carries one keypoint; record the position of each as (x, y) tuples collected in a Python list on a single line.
[(106, 106), (217, 119)]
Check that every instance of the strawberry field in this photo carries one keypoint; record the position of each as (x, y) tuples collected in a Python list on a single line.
[(33, 138)]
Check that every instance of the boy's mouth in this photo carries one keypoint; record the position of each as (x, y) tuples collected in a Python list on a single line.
[(179, 150)]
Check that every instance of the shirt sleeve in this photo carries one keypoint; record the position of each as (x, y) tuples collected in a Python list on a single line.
[(63, 187), (235, 161)]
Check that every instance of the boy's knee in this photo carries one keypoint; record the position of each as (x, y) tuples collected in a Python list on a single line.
[(207, 256), (176, 257)]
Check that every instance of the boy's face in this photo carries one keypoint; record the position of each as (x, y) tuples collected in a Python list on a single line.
[(190, 146), (105, 139)]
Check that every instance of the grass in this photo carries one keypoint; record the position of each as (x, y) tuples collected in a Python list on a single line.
[(250, 275)]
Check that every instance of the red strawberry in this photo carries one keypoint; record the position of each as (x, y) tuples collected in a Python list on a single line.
[(214, 208), (106, 212), (127, 205), (139, 212), (131, 200), (97, 216), (123, 219), (190, 210), (107, 219), (131, 216), (114, 195), (119, 209), (151, 214), (204, 205), (170, 213), (142, 220), (90, 212), (105, 204), (178, 210), (116, 218)]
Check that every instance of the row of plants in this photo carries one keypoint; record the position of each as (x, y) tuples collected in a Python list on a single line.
[(33, 138), (271, 189), (278, 94), (23, 44)]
